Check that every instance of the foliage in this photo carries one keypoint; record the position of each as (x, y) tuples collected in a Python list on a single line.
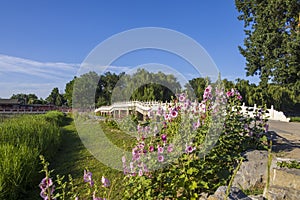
[(22, 139), (69, 92), (55, 98), (111, 123), (272, 43), (188, 130), (295, 119), (280, 96), (291, 165), (122, 87), (28, 99)]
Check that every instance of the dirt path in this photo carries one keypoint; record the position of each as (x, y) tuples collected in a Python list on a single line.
[(286, 137)]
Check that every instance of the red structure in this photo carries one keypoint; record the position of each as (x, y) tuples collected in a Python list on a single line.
[(15, 106)]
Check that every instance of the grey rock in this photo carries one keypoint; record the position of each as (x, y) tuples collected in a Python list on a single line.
[(282, 193), (253, 171), (284, 184), (257, 197), (234, 194)]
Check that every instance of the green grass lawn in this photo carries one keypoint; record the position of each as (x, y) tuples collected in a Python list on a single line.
[(73, 157), (295, 119)]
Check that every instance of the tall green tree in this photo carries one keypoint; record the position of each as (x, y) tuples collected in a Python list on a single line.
[(55, 98), (69, 92), (272, 43)]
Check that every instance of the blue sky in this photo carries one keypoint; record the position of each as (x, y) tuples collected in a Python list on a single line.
[(43, 43)]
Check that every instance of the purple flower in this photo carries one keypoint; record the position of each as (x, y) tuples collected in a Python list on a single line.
[(266, 127), (160, 149), (87, 177), (151, 148), (189, 149), (207, 92), (160, 158), (136, 157), (105, 182), (43, 194), (167, 117), (170, 148), (229, 94), (208, 89), (174, 113), (140, 172), (164, 137), (46, 183), (250, 133), (202, 107), (181, 97), (196, 124)]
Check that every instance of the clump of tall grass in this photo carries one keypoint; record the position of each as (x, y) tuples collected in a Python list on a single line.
[(22, 140)]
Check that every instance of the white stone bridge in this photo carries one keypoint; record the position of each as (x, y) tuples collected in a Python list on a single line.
[(121, 109)]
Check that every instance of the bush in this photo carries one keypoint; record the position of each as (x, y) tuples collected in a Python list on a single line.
[(198, 145)]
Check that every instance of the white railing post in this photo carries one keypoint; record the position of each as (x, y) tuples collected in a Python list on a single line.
[(272, 112)]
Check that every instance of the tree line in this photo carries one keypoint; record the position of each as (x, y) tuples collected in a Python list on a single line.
[(150, 86)]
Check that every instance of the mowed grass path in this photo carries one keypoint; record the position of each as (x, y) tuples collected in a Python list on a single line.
[(72, 158)]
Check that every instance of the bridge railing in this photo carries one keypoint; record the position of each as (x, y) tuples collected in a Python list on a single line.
[(143, 107)]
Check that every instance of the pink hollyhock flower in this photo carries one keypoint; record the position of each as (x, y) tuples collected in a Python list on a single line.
[(189, 149), (196, 124), (174, 113), (160, 149), (182, 97), (170, 148), (167, 116), (160, 158)]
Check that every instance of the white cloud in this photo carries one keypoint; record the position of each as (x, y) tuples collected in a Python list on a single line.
[(9, 64), (19, 75)]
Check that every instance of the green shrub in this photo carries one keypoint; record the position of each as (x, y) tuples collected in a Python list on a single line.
[(192, 148)]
